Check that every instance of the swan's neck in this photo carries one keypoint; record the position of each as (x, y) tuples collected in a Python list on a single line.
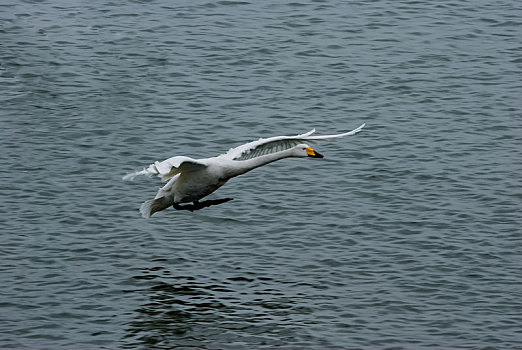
[(243, 166)]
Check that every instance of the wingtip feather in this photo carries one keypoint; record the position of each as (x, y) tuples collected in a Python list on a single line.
[(132, 176)]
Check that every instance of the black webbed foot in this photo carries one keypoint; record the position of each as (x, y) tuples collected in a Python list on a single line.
[(200, 205)]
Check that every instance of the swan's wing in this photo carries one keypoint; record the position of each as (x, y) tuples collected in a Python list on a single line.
[(265, 146), (278, 143), (323, 137), (169, 168)]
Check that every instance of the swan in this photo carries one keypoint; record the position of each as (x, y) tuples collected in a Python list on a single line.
[(189, 180)]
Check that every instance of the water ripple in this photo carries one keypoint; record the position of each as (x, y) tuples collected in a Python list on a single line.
[(404, 236)]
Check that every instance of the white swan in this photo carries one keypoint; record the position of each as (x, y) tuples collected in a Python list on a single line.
[(189, 179)]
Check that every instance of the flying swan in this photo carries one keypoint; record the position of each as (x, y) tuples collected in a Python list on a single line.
[(189, 180)]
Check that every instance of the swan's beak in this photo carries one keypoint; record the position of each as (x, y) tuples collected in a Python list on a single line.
[(312, 153)]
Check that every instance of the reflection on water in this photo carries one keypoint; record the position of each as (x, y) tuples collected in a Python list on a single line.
[(180, 311), (172, 312), (405, 236)]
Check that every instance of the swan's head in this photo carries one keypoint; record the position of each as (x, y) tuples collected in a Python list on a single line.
[(304, 150)]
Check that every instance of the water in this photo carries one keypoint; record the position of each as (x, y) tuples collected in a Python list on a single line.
[(407, 235)]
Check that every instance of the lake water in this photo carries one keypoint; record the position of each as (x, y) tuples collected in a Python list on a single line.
[(405, 236)]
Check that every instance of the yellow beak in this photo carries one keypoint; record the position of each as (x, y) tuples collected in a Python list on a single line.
[(312, 153)]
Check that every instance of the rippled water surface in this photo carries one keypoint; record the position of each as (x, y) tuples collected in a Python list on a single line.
[(407, 235)]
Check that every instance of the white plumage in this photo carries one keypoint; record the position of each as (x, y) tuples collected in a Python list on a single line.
[(189, 180)]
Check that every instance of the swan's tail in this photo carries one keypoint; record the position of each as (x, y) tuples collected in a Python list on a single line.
[(164, 199), (150, 207)]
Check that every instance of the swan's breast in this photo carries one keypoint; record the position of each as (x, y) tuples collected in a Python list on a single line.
[(195, 185)]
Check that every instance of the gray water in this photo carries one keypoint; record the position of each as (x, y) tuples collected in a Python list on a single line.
[(405, 236)]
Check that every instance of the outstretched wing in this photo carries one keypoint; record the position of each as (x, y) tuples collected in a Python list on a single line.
[(264, 146), (279, 143), (169, 168)]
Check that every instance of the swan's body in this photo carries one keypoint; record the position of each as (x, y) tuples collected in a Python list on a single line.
[(189, 180)]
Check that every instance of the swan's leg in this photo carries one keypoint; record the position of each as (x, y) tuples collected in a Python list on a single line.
[(197, 205), (183, 207), (200, 205), (210, 202)]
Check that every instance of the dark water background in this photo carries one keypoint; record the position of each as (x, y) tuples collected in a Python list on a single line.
[(407, 235)]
